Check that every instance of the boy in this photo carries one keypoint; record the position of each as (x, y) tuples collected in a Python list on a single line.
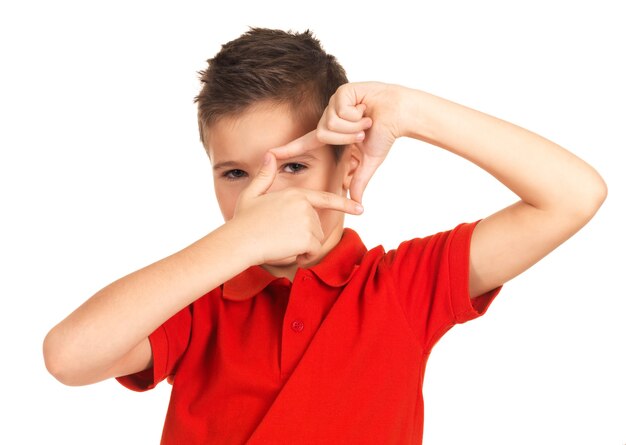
[(280, 326)]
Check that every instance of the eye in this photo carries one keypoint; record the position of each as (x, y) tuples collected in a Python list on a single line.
[(236, 174), (300, 167)]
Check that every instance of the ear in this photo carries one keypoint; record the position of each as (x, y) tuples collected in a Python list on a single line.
[(353, 161)]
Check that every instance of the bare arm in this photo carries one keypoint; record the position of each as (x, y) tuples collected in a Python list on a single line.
[(107, 336), (559, 192)]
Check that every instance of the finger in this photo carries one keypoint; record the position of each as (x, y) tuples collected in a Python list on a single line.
[(303, 259), (264, 178), (315, 247), (327, 200), (298, 146), (348, 105), (361, 178), (332, 138), (317, 226), (335, 123)]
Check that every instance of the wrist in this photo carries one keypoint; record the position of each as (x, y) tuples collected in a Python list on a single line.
[(412, 104), (243, 246)]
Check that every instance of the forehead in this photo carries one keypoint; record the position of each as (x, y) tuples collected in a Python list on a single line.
[(253, 132)]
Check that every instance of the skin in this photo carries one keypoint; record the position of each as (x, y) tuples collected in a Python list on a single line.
[(282, 220), (273, 217), (559, 192), (238, 142)]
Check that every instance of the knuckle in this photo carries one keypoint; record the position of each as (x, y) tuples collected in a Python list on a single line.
[(333, 121), (313, 226), (304, 205), (291, 193), (298, 204), (310, 238), (317, 232), (313, 245), (319, 133), (344, 204), (344, 113), (328, 197)]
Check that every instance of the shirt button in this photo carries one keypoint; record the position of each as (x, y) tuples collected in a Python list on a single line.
[(297, 325)]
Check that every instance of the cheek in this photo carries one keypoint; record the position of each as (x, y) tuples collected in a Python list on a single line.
[(328, 220), (227, 200), (313, 181)]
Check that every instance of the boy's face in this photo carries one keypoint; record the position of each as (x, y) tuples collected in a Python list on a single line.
[(244, 139)]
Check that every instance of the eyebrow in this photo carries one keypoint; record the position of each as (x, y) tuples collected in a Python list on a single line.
[(302, 157), (225, 164)]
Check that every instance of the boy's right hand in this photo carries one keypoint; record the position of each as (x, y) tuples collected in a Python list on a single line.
[(284, 224)]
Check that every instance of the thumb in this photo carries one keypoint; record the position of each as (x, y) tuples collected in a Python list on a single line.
[(265, 176), (361, 178)]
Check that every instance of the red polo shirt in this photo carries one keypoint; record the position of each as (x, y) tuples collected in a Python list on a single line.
[(337, 356)]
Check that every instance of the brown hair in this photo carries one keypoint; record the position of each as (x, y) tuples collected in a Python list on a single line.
[(269, 64)]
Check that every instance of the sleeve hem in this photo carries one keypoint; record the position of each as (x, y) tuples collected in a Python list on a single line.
[(465, 308), (150, 377)]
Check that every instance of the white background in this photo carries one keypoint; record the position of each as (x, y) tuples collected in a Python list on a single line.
[(102, 172)]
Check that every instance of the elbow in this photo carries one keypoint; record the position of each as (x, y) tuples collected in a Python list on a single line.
[(58, 362), (596, 196), (587, 201), (53, 358), (603, 191)]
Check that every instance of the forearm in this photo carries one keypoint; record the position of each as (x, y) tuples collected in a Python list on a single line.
[(539, 171), (114, 320)]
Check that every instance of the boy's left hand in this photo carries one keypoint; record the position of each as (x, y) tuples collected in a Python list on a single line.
[(372, 109)]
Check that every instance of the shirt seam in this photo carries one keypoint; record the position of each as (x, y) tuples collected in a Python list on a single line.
[(392, 286), (450, 266), (167, 357), (455, 320)]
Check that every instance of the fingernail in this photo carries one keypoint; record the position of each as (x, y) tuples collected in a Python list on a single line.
[(360, 136), (266, 159), (359, 208)]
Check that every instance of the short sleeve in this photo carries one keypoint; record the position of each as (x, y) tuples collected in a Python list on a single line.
[(430, 278), (168, 342)]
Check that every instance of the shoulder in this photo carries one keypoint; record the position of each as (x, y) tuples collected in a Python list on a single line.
[(444, 245)]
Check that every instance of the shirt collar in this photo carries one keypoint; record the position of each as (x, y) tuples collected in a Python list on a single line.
[(335, 269)]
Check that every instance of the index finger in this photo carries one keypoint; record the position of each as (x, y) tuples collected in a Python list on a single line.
[(298, 146), (327, 200)]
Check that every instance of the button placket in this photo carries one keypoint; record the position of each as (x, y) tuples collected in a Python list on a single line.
[(297, 325)]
